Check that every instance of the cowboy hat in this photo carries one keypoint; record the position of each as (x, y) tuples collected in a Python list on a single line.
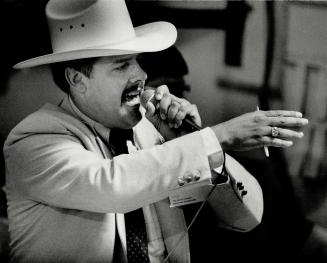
[(95, 28)]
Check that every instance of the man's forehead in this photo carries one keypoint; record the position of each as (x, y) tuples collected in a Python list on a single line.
[(119, 58)]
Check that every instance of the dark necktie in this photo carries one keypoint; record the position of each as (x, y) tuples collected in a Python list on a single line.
[(136, 238)]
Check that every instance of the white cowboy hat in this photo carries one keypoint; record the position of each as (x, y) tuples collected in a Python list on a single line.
[(95, 28)]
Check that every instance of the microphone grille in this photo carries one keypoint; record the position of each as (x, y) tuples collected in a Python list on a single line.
[(146, 96)]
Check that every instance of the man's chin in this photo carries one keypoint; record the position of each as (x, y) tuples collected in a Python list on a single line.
[(134, 116)]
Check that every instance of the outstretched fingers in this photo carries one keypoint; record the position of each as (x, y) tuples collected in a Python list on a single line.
[(288, 122), (283, 113), (280, 127), (275, 142), (281, 132), (281, 118)]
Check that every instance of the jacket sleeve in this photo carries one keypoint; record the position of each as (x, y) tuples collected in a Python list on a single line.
[(237, 203), (57, 169)]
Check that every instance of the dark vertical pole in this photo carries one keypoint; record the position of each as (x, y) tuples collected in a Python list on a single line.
[(236, 14), (264, 93)]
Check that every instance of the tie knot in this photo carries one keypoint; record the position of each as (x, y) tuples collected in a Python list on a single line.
[(118, 139)]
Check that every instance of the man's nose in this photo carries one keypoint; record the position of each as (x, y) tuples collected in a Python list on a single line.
[(138, 73)]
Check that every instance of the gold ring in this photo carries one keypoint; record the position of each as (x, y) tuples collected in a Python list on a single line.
[(274, 131)]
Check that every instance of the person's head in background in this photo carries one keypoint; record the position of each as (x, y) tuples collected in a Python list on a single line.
[(166, 67)]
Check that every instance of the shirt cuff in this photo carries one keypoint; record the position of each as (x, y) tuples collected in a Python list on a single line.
[(212, 148)]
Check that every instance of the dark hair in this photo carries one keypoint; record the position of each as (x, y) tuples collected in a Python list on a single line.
[(84, 66)]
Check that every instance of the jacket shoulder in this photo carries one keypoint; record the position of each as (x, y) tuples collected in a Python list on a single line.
[(49, 119)]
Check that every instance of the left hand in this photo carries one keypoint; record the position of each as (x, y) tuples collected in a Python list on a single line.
[(169, 112), (255, 129)]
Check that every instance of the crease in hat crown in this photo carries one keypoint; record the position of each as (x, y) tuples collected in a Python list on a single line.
[(90, 28), (77, 24)]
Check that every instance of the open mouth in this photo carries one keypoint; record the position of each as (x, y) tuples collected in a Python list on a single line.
[(131, 95)]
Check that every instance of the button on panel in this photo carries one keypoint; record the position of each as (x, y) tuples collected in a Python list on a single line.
[(188, 178), (197, 177), (180, 182)]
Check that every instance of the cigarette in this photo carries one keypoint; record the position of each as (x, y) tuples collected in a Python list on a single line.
[(265, 148)]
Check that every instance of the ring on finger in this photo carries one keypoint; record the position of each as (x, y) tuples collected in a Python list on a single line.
[(274, 131)]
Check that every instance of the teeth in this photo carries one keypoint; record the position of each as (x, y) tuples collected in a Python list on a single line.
[(135, 92), (132, 96), (132, 101)]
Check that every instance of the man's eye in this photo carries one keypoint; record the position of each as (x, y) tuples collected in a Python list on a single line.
[(123, 66)]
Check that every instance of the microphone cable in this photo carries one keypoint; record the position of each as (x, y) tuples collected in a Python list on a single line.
[(147, 96), (222, 173)]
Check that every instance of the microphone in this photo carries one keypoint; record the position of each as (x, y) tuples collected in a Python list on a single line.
[(148, 96)]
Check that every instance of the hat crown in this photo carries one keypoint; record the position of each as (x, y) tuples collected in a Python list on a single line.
[(77, 24), (95, 28)]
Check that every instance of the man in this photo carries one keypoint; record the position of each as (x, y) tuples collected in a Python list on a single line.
[(72, 188)]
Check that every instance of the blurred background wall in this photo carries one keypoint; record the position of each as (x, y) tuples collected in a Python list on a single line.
[(240, 54)]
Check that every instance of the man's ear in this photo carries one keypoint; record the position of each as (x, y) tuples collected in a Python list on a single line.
[(75, 79)]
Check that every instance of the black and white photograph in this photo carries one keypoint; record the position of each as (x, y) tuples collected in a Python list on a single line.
[(163, 131)]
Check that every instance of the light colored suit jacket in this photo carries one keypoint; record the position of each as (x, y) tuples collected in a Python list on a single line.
[(65, 200)]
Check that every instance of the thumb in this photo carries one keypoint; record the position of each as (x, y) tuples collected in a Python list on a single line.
[(150, 112), (150, 109)]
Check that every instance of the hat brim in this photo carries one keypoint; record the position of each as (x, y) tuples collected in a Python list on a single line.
[(150, 37)]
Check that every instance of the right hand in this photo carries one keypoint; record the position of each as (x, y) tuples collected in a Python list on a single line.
[(253, 130), (168, 112)]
